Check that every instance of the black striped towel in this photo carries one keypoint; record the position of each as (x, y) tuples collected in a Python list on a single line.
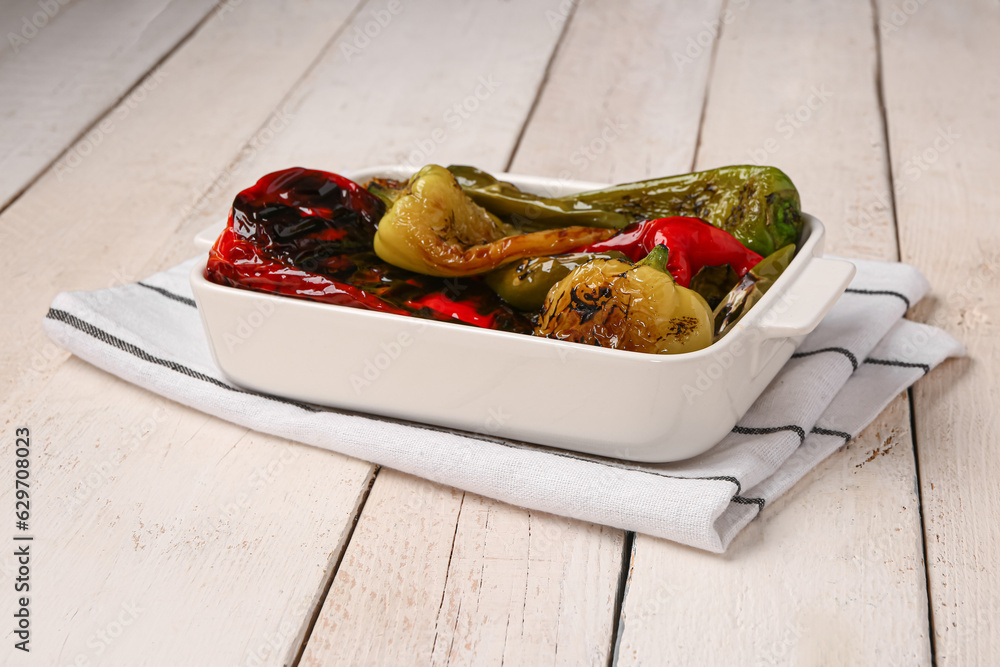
[(860, 357)]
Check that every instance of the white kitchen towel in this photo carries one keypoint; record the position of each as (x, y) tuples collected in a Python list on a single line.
[(858, 359)]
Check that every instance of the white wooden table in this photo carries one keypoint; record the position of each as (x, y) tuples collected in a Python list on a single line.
[(166, 537)]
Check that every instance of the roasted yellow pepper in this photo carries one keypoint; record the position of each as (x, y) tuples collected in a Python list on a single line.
[(624, 306), (434, 228)]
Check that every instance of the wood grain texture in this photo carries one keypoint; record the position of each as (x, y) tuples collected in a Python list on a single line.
[(527, 588), (163, 536), (166, 537), (519, 587), (481, 580), (437, 576), (15, 29), (633, 111), (66, 64), (442, 109), (383, 606), (832, 573), (942, 104)]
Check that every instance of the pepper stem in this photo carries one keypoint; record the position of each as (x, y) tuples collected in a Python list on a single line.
[(657, 258)]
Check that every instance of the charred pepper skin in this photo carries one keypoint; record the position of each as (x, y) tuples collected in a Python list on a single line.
[(624, 306), (308, 234), (524, 284), (751, 289), (693, 244), (758, 205), (529, 212), (434, 228)]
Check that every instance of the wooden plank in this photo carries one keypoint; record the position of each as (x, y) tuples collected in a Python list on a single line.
[(66, 64), (634, 111), (498, 583), (527, 588), (833, 571), (455, 578), (19, 21), (941, 82), (471, 114), (157, 527)]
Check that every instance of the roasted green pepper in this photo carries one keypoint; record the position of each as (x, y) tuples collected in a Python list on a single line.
[(524, 284), (714, 257), (434, 228), (623, 306), (529, 211), (757, 205), (750, 289)]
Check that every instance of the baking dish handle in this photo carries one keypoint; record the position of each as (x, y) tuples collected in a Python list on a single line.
[(807, 301), (205, 239)]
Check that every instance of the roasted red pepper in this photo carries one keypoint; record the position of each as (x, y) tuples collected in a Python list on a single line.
[(693, 244), (308, 234)]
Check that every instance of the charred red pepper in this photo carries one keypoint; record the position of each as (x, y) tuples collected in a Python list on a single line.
[(693, 244), (308, 234)]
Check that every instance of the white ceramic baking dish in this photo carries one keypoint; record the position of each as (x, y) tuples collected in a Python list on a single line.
[(626, 405)]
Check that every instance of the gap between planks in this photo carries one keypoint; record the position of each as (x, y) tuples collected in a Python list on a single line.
[(328, 583), (542, 84), (723, 8), (320, 55), (103, 113), (893, 218), (628, 548)]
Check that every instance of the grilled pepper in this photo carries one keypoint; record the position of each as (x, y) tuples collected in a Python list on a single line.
[(757, 205), (308, 234), (696, 249), (693, 244), (623, 306), (434, 228), (750, 289), (525, 283), (528, 211)]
